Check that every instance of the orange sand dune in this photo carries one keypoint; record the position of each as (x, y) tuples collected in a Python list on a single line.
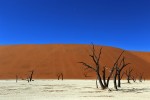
[(49, 60), (143, 55)]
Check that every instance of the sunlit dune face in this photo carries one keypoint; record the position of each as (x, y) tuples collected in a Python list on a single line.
[(49, 60)]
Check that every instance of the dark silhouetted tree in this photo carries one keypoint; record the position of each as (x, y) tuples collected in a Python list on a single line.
[(96, 59), (141, 77), (120, 69), (60, 75), (128, 74), (30, 76)]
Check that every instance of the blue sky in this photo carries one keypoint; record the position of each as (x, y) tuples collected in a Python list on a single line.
[(119, 23)]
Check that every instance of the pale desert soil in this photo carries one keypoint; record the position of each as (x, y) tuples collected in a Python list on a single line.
[(71, 90)]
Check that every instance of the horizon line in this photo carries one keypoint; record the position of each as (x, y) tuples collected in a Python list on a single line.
[(18, 44)]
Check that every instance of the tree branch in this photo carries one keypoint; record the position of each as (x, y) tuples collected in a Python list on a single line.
[(88, 66), (118, 58), (99, 56)]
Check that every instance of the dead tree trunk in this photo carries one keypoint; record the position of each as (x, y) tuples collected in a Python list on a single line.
[(30, 78), (60, 75), (111, 73), (133, 78), (119, 80), (104, 76), (114, 68), (115, 81), (128, 74), (140, 77), (96, 83), (100, 81), (96, 69), (119, 70), (16, 78)]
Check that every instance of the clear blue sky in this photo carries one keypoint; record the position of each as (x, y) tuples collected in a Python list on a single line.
[(119, 23)]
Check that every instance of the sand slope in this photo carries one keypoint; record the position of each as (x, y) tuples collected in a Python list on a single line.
[(48, 60)]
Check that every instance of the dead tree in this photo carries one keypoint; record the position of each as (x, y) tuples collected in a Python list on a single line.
[(106, 82), (96, 68), (115, 68), (104, 75), (141, 77), (60, 75), (133, 78), (119, 70), (86, 75), (128, 74), (16, 78), (30, 77), (96, 83), (115, 79)]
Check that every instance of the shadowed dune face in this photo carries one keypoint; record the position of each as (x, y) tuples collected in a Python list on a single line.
[(49, 60)]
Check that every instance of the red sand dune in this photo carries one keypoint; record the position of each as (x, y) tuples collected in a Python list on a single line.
[(49, 60)]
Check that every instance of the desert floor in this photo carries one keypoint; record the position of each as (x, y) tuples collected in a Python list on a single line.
[(71, 90)]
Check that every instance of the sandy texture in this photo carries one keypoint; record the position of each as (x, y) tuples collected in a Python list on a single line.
[(49, 60), (71, 90), (143, 55)]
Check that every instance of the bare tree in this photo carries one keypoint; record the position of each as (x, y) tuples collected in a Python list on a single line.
[(133, 78), (86, 75), (119, 70), (60, 75), (16, 78), (115, 67), (96, 68), (30, 76), (141, 77), (115, 78), (128, 74)]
